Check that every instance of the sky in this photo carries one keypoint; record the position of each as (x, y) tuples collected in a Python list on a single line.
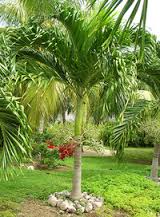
[(153, 17)]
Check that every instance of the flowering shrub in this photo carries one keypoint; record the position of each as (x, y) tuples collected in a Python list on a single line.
[(46, 155), (65, 150), (51, 155), (50, 144)]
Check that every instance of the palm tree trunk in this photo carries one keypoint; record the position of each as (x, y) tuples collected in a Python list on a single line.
[(41, 125), (76, 182), (63, 115), (154, 169)]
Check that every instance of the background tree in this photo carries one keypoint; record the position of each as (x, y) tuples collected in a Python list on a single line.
[(152, 132), (128, 121)]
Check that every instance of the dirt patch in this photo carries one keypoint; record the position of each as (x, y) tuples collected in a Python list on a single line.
[(63, 168), (38, 209), (35, 208), (120, 214)]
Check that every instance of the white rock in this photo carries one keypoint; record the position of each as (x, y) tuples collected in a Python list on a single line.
[(52, 200), (80, 208), (60, 196), (89, 207), (91, 200), (59, 202), (30, 167), (87, 203), (64, 205), (97, 204), (71, 209), (83, 202), (87, 197), (76, 202), (71, 203)]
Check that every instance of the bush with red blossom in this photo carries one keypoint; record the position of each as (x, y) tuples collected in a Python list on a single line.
[(52, 155), (65, 150)]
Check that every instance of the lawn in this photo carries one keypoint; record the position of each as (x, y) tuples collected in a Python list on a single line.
[(123, 185), (139, 155)]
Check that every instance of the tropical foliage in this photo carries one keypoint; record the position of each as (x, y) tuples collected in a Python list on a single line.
[(14, 130), (88, 52), (82, 65)]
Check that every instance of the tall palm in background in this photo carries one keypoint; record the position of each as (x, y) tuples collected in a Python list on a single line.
[(143, 109)]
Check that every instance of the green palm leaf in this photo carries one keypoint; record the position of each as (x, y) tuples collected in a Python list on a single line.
[(128, 122), (14, 137)]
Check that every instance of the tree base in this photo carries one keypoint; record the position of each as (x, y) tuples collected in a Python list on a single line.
[(86, 204)]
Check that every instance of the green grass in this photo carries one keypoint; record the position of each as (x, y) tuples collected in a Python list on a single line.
[(123, 186), (138, 155)]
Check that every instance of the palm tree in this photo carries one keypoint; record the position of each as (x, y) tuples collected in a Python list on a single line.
[(71, 51), (134, 114)]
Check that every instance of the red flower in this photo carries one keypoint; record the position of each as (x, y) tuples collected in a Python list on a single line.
[(51, 146), (66, 150)]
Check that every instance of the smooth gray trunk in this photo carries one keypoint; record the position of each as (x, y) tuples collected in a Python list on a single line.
[(154, 169), (76, 182), (77, 173), (41, 125)]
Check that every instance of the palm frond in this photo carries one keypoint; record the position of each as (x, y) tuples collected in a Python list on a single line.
[(133, 6), (19, 11), (42, 99), (129, 121), (14, 134)]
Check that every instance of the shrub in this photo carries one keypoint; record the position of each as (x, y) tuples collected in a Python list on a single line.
[(140, 138), (61, 133), (51, 155), (45, 155), (91, 137), (41, 137), (66, 150)]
